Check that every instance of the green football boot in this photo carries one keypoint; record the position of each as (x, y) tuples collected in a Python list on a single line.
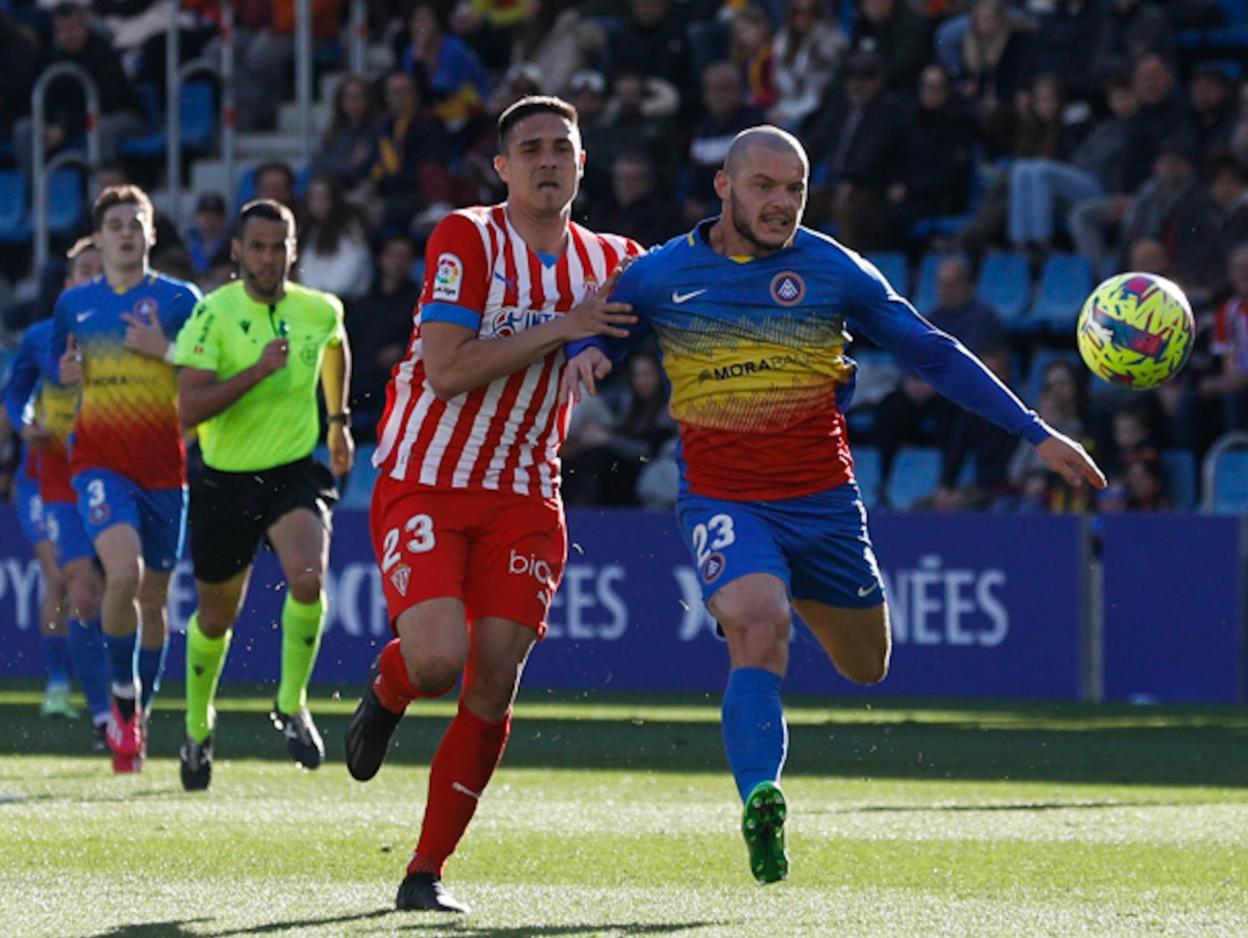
[(763, 827)]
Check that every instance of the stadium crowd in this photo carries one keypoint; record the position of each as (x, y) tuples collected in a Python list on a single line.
[(955, 143)]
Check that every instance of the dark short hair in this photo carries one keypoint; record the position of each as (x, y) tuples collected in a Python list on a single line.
[(527, 107), (113, 196), (268, 210)]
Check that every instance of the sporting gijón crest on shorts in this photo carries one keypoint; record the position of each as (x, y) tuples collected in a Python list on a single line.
[(504, 436)]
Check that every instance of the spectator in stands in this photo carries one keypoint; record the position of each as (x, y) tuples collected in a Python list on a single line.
[(938, 156), (275, 180), (1145, 482), (1131, 29), (588, 92), (557, 40), (1040, 186), (1229, 386), (408, 174), (896, 32), (634, 209), (73, 40), (1229, 187), (992, 61), (1150, 256), (960, 312), (808, 50), (652, 42), (490, 28), (858, 145), (751, 50), (1065, 44), (521, 79), (265, 47), (607, 456), (379, 325), (1035, 129), (1239, 136), (208, 233), (727, 114), (333, 248), (638, 117), (1062, 407), (349, 142), (979, 444), (19, 51), (1162, 114), (1176, 209), (445, 67), (911, 415), (1211, 110)]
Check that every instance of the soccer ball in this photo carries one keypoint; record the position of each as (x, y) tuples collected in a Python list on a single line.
[(1135, 330)]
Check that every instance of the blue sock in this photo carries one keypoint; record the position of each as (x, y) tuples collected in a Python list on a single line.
[(151, 667), (755, 735), (86, 647), (121, 666), (56, 660)]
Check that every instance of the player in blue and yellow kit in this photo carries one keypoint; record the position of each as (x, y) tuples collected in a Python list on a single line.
[(127, 459), (75, 584), (752, 314)]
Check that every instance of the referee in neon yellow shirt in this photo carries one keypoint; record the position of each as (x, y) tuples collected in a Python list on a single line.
[(251, 357)]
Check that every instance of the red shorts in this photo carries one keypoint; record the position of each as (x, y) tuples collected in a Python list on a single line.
[(501, 553)]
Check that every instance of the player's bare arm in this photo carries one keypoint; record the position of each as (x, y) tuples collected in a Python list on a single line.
[(201, 395), (1071, 461), (335, 379), (457, 361)]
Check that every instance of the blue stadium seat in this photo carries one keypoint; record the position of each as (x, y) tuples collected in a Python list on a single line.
[(198, 114), (1179, 467), (66, 200), (925, 285), (894, 267), (1225, 473), (867, 472), (1065, 283), (1230, 37), (1005, 284), (13, 224), (915, 475)]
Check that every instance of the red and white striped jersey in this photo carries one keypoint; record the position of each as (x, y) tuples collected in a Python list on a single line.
[(504, 436)]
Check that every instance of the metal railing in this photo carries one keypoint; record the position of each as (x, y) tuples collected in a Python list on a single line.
[(40, 166)]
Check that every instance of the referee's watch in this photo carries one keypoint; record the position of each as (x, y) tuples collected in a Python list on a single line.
[(343, 418)]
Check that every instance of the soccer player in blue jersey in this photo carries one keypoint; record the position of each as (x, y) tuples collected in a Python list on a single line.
[(43, 410), (128, 460), (752, 314)]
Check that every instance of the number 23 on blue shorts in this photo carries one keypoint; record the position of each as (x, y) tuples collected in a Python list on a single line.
[(816, 544)]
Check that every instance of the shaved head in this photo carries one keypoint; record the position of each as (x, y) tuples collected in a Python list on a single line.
[(766, 137)]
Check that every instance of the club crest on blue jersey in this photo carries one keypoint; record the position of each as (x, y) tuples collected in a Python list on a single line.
[(146, 309), (787, 288)]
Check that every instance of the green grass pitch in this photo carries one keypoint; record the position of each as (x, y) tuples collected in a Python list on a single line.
[(614, 815)]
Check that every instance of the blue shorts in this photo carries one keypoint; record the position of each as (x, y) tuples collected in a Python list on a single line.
[(106, 498), (30, 511), (65, 531), (817, 544)]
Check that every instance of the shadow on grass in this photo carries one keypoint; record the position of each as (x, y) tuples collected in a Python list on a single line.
[(969, 742), (465, 930), (1027, 807)]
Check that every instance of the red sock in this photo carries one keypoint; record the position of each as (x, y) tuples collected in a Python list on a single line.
[(392, 686), (462, 766)]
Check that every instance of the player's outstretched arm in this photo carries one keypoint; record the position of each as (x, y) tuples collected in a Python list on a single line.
[(335, 379), (201, 396), (584, 370), (1071, 461), (457, 361)]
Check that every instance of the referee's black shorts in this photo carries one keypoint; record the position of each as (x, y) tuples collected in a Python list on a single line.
[(231, 511)]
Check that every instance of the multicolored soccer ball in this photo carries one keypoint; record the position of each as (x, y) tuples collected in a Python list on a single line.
[(1136, 330)]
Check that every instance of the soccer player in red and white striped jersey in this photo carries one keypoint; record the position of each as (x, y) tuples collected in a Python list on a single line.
[(466, 517)]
